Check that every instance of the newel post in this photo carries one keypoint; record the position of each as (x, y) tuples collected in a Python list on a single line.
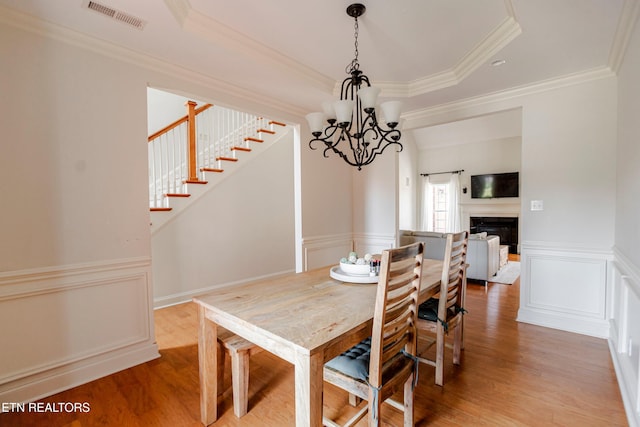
[(191, 131)]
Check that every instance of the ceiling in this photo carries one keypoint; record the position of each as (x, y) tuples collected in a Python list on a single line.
[(423, 52)]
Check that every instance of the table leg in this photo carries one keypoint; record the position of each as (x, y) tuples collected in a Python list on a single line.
[(208, 368), (308, 385)]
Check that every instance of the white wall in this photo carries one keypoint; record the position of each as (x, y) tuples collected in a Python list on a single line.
[(75, 288), (327, 205), (494, 156), (375, 222), (164, 108), (568, 152), (408, 184), (569, 162), (240, 229), (625, 292)]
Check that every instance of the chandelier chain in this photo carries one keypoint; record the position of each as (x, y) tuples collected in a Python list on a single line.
[(354, 65)]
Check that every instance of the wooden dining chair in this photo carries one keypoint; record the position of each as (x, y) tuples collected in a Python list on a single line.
[(386, 362), (239, 351), (439, 316)]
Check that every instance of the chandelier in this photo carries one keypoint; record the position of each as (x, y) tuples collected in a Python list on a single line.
[(352, 130)]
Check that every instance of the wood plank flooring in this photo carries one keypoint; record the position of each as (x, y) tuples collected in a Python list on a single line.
[(512, 374)]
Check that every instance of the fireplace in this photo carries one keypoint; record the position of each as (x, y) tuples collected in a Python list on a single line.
[(505, 227)]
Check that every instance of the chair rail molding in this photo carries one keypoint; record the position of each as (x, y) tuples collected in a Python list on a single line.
[(565, 287), (68, 325)]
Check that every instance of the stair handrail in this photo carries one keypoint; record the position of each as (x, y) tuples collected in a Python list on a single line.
[(178, 122)]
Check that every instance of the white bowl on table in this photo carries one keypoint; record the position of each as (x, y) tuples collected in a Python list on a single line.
[(355, 269)]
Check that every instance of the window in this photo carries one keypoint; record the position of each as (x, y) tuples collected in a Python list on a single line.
[(441, 204), (440, 207)]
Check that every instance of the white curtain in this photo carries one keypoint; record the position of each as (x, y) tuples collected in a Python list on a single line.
[(453, 203), (427, 206)]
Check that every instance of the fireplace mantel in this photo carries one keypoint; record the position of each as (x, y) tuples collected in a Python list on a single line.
[(502, 209)]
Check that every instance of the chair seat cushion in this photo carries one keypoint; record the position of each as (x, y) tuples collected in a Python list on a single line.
[(428, 310), (353, 362)]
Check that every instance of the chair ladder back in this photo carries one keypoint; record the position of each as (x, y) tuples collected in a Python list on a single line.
[(453, 274), (396, 307)]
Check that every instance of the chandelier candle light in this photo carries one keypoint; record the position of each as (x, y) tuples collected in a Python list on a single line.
[(353, 119)]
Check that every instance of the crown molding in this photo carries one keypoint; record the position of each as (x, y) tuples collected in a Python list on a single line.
[(482, 52), (415, 119), (43, 28), (500, 37), (628, 19), (216, 32)]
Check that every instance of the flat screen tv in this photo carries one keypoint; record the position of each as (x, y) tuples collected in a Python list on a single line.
[(494, 185)]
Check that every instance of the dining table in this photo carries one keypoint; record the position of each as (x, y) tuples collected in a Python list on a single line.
[(304, 318)]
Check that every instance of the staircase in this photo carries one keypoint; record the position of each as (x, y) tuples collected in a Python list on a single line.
[(185, 155)]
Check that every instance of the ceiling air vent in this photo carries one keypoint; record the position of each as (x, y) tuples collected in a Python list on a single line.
[(116, 14)]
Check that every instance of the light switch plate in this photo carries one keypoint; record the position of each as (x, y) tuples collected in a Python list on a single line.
[(537, 205)]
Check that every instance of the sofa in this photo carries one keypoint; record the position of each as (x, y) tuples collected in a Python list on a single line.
[(483, 251)]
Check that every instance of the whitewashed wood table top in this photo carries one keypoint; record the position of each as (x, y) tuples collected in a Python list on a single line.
[(308, 310)]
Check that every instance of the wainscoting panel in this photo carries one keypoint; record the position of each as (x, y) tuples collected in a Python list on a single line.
[(624, 340), (67, 326), (373, 243), (567, 285), (325, 250), (564, 288)]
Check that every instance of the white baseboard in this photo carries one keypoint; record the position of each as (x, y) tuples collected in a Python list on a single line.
[(594, 328), (53, 381)]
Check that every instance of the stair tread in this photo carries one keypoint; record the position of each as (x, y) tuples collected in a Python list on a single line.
[(211, 170), (241, 149), (272, 132), (178, 195), (228, 159), (189, 181), (252, 139), (160, 209), (273, 122)]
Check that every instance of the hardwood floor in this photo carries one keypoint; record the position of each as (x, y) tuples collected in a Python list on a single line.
[(512, 374)]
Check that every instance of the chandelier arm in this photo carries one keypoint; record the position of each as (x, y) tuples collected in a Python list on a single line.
[(361, 132), (329, 132), (356, 150), (379, 148), (344, 157)]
